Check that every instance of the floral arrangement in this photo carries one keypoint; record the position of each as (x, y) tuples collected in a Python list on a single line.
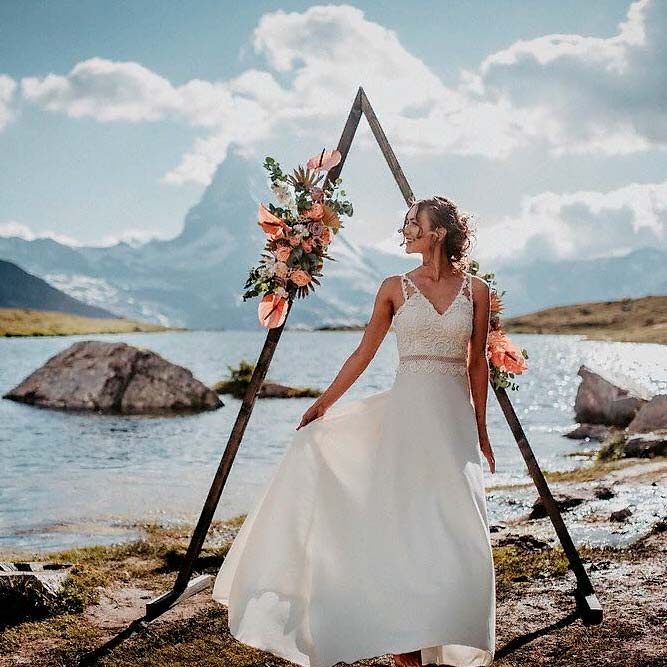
[(506, 360), (299, 230)]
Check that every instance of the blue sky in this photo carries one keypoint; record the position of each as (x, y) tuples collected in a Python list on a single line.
[(543, 119)]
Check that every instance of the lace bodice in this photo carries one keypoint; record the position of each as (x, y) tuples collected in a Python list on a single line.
[(429, 341)]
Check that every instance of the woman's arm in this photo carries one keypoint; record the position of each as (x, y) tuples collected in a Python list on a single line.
[(478, 365), (356, 363)]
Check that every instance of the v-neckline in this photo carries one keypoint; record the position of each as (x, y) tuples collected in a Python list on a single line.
[(428, 301)]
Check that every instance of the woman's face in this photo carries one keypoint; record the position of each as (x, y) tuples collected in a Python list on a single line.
[(417, 231)]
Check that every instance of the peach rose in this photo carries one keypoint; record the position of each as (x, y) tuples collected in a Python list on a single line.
[(300, 277), (283, 252), (315, 212), (326, 236), (307, 245), (503, 354)]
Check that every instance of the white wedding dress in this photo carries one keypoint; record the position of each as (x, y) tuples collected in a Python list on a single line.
[(371, 537)]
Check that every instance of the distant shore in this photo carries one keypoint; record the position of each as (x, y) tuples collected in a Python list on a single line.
[(29, 322), (641, 320)]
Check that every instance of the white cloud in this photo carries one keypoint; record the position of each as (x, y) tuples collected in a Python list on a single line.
[(575, 93), (134, 237), (578, 225), (7, 88), (604, 95)]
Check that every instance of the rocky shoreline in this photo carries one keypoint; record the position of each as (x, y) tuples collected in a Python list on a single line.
[(111, 584)]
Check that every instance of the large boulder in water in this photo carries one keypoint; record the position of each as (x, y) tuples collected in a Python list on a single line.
[(114, 377), (600, 401)]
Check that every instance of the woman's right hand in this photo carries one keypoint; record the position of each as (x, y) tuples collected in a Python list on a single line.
[(313, 412), (487, 451)]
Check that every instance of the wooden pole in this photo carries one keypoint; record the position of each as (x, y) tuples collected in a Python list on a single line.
[(588, 604)]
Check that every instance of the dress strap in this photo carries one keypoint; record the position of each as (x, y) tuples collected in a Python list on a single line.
[(465, 289), (403, 278)]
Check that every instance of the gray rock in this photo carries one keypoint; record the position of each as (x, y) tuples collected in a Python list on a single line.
[(619, 516), (563, 501), (603, 493), (646, 445), (651, 416), (600, 401), (30, 589), (589, 431), (113, 377), (525, 542)]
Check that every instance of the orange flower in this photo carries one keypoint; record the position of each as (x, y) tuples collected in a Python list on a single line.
[(283, 252), (330, 219), (325, 236), (274, 227), (272, 311), (325, 160), (503, 354), (307, 244), (300, 277), (315, 212)]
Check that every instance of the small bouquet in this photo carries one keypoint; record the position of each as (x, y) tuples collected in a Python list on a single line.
[(506, 360), (299, 232)]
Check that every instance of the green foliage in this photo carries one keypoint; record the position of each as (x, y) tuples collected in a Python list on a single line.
[(613, 449)]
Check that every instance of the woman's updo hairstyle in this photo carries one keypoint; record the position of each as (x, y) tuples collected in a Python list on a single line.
[(444, 213)]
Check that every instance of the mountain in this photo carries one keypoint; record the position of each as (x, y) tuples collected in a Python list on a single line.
[(539, 284), (196, 279), (19, 289)]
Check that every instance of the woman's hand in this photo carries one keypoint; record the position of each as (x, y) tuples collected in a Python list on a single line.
[(485, 446), (316, 410)]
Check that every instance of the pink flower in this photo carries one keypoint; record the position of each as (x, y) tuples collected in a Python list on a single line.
[(316, 193), (272, 311), (274, 227), (316, 228), (325, 160)]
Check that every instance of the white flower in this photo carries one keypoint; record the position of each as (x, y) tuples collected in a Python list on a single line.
[(281, 292), (266, 272), (283, 195)]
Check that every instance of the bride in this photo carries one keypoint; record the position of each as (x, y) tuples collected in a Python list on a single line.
[(371, 537)]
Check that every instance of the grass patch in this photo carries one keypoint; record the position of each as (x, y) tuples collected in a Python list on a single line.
[(29, 322), (613, 449), (516, 565), (60, 641), (203, 640), (239, 379)]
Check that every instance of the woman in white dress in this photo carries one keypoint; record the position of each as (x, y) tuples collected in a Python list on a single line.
[(371, 537)]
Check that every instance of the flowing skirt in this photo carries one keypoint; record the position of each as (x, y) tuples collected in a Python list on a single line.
[(371, 537)]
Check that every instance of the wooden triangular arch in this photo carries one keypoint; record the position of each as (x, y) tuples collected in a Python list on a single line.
[(186, 586)]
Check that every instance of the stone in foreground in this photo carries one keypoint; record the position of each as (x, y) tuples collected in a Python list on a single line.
[(114, 378)]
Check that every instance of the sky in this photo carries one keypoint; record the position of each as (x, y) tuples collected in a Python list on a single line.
[(545, 120)]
